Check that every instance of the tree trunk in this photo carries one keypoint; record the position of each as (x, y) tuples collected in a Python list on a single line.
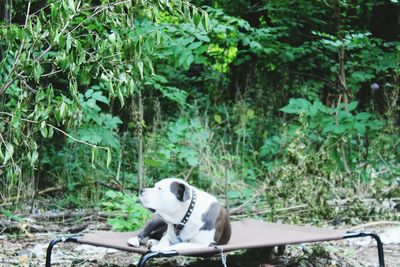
[(5, 10)]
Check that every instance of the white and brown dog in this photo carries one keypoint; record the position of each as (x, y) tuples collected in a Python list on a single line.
[(184, 217)]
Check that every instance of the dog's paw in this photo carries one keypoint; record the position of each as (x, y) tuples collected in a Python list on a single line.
[(134, 242), (151, 243)]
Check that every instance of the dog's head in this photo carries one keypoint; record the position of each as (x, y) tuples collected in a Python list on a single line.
[(168, 198)]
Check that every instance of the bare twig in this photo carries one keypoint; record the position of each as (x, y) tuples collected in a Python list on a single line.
[(341, 146), (304, 207), (140, 142), (189, 172), (327, 81), (296, 208), (62, 215), (43, 75), (65, 215), (75, 139), (374, 224), (248, 202), (115, 187), (11, 200), (30, 227), (89, 17)]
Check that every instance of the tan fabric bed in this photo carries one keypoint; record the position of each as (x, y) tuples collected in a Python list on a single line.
[(246, 234)]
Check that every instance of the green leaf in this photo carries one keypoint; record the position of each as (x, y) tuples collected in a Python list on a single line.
[(344, 115), (89, 93), (51, 132), (205, 21), (339, 129), (196, 18), (99, 97), (174, 94), (188, 61), (297, 106), (71, 5), (202, 37), (34, 157), (112, 37), (195, 45), (352, 105), (121, 97), (314, 111), (69, 41), (37, 72), (218, 118), (108, 157), (363, 116), (94, 155), (43, 129), (8, 153), (152, 163), (84, 77), (63, 110), (328, 128), (186, 11), (189, 155), (360, 127), (140, 67), (250, 113)]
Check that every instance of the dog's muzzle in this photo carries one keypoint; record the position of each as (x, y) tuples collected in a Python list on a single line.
[(141, 191)]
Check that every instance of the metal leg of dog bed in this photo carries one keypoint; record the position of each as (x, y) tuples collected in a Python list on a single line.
[(150, 255), (53, 243), (378, 243)]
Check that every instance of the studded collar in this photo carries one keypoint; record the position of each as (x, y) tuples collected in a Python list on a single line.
[(179, 227)]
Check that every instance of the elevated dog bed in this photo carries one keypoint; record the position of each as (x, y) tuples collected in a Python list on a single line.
[(246, 234)]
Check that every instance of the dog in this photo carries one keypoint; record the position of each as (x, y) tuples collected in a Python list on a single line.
[(183, 217)]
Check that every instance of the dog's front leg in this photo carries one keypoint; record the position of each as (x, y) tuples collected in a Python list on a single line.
[(151, 243), (163, 245), (134, 241), (154, 229)]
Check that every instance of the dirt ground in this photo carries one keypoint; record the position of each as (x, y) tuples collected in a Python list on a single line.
[(30, 250)]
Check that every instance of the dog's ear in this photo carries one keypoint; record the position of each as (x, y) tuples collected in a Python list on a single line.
[(180, 190)]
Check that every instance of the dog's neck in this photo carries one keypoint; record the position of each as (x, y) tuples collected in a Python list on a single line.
[(179, 227), (190, 209), (174, 218)]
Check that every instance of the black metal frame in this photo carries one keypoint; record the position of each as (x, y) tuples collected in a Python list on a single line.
[(166, 254), (150, 255), (53, 243), (142, 261), (379, 244)]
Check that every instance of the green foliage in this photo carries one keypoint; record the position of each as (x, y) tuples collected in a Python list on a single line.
[(254, 95), (125, 211), (362, 64), (183, 146), (333, 121), (9, 215), (71, 66)]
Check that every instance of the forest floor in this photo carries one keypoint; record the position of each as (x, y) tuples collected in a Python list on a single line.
[(30, 250)]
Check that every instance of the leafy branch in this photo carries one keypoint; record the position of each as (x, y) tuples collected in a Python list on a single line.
[(93, 146)]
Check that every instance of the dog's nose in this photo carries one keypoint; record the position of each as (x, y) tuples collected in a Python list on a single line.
[(141, 191)]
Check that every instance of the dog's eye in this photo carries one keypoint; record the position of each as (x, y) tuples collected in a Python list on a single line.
[(159, 188)]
